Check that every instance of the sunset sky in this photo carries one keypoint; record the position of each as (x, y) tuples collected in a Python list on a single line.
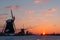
[(41, 15)]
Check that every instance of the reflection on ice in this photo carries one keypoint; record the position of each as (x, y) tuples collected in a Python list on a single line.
[(29, 38), (37, 39)]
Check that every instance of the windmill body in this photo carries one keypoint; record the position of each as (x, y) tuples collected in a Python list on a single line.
[(9, 26), (9, 29)]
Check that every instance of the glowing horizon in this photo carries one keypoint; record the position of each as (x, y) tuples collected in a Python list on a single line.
[(41, 15)]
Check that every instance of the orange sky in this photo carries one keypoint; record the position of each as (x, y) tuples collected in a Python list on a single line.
[(44, 26), (41, 15)]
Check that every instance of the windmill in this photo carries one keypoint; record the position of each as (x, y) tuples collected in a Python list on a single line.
[(24, 31), (9, 28)]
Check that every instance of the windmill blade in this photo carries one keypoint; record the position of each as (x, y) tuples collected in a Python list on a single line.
[(13, 19), (30, 27), (23, 27), (3, 16), (12, 14), (3, 28), (14, 26)]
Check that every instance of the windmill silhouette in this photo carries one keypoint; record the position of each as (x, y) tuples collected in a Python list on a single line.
[(9, 28), (24, 31)]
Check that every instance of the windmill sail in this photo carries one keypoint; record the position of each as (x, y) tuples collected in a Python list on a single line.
[(11, 14), (13, 18)]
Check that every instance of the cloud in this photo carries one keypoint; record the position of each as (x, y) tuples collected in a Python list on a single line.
[(36, 1), (49, 10), (12, 7), (46, 15), (29, 11), (45, 0)]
